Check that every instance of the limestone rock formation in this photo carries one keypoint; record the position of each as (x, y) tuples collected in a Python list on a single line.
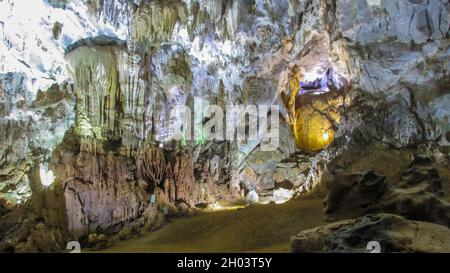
[(22, 232), (417, 196), (88, 89), (40, 225), (392, 233)]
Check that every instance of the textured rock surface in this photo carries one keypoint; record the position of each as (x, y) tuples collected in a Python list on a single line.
[(22, 231), (100, 190), (40, 225), (397, 55), (36, 100), (393, 233), (417, 196), (129, 63), (105, 187)]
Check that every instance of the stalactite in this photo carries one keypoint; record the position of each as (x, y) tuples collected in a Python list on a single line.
[(98, 91), (154, 22)]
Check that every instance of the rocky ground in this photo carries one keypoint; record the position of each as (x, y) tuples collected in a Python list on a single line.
[(403, 208), (389, 205)]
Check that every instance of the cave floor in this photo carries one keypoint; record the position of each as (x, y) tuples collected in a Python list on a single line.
[(256, 228)]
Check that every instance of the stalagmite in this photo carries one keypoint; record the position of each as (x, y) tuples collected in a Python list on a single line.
[(122, 117)]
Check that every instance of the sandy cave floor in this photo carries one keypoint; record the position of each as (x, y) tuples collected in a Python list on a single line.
[(256, 228)]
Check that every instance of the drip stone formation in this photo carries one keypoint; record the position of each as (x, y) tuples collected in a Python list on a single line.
[(224, 126)]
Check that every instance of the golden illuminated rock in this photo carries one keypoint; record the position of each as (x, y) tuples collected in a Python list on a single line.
[(313, 117), (315, 120), (312, 130)]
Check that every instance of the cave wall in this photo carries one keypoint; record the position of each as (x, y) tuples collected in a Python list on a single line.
[(116, 94), (396, 51)]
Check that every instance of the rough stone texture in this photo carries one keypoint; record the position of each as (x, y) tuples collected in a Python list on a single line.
[(22, 231), (100, 190), (105, 186), (395, 51), (248, 60), (40, 225), (29, 131), (36, 101), (394, 56), (316, 120), (417, 196), (394, 234)]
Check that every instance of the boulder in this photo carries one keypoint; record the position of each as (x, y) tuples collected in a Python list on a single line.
[(125, 233), (391, 233), (417, 196), (23, 231)]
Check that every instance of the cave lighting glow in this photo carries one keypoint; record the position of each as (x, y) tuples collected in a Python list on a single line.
[(47, 177), (216, 206), (281, 195)]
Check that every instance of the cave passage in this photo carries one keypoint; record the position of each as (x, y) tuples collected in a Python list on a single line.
[(225, 126)]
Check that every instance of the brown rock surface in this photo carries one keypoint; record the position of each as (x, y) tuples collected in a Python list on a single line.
[(416, 196), (24, 231), (393, 233)]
